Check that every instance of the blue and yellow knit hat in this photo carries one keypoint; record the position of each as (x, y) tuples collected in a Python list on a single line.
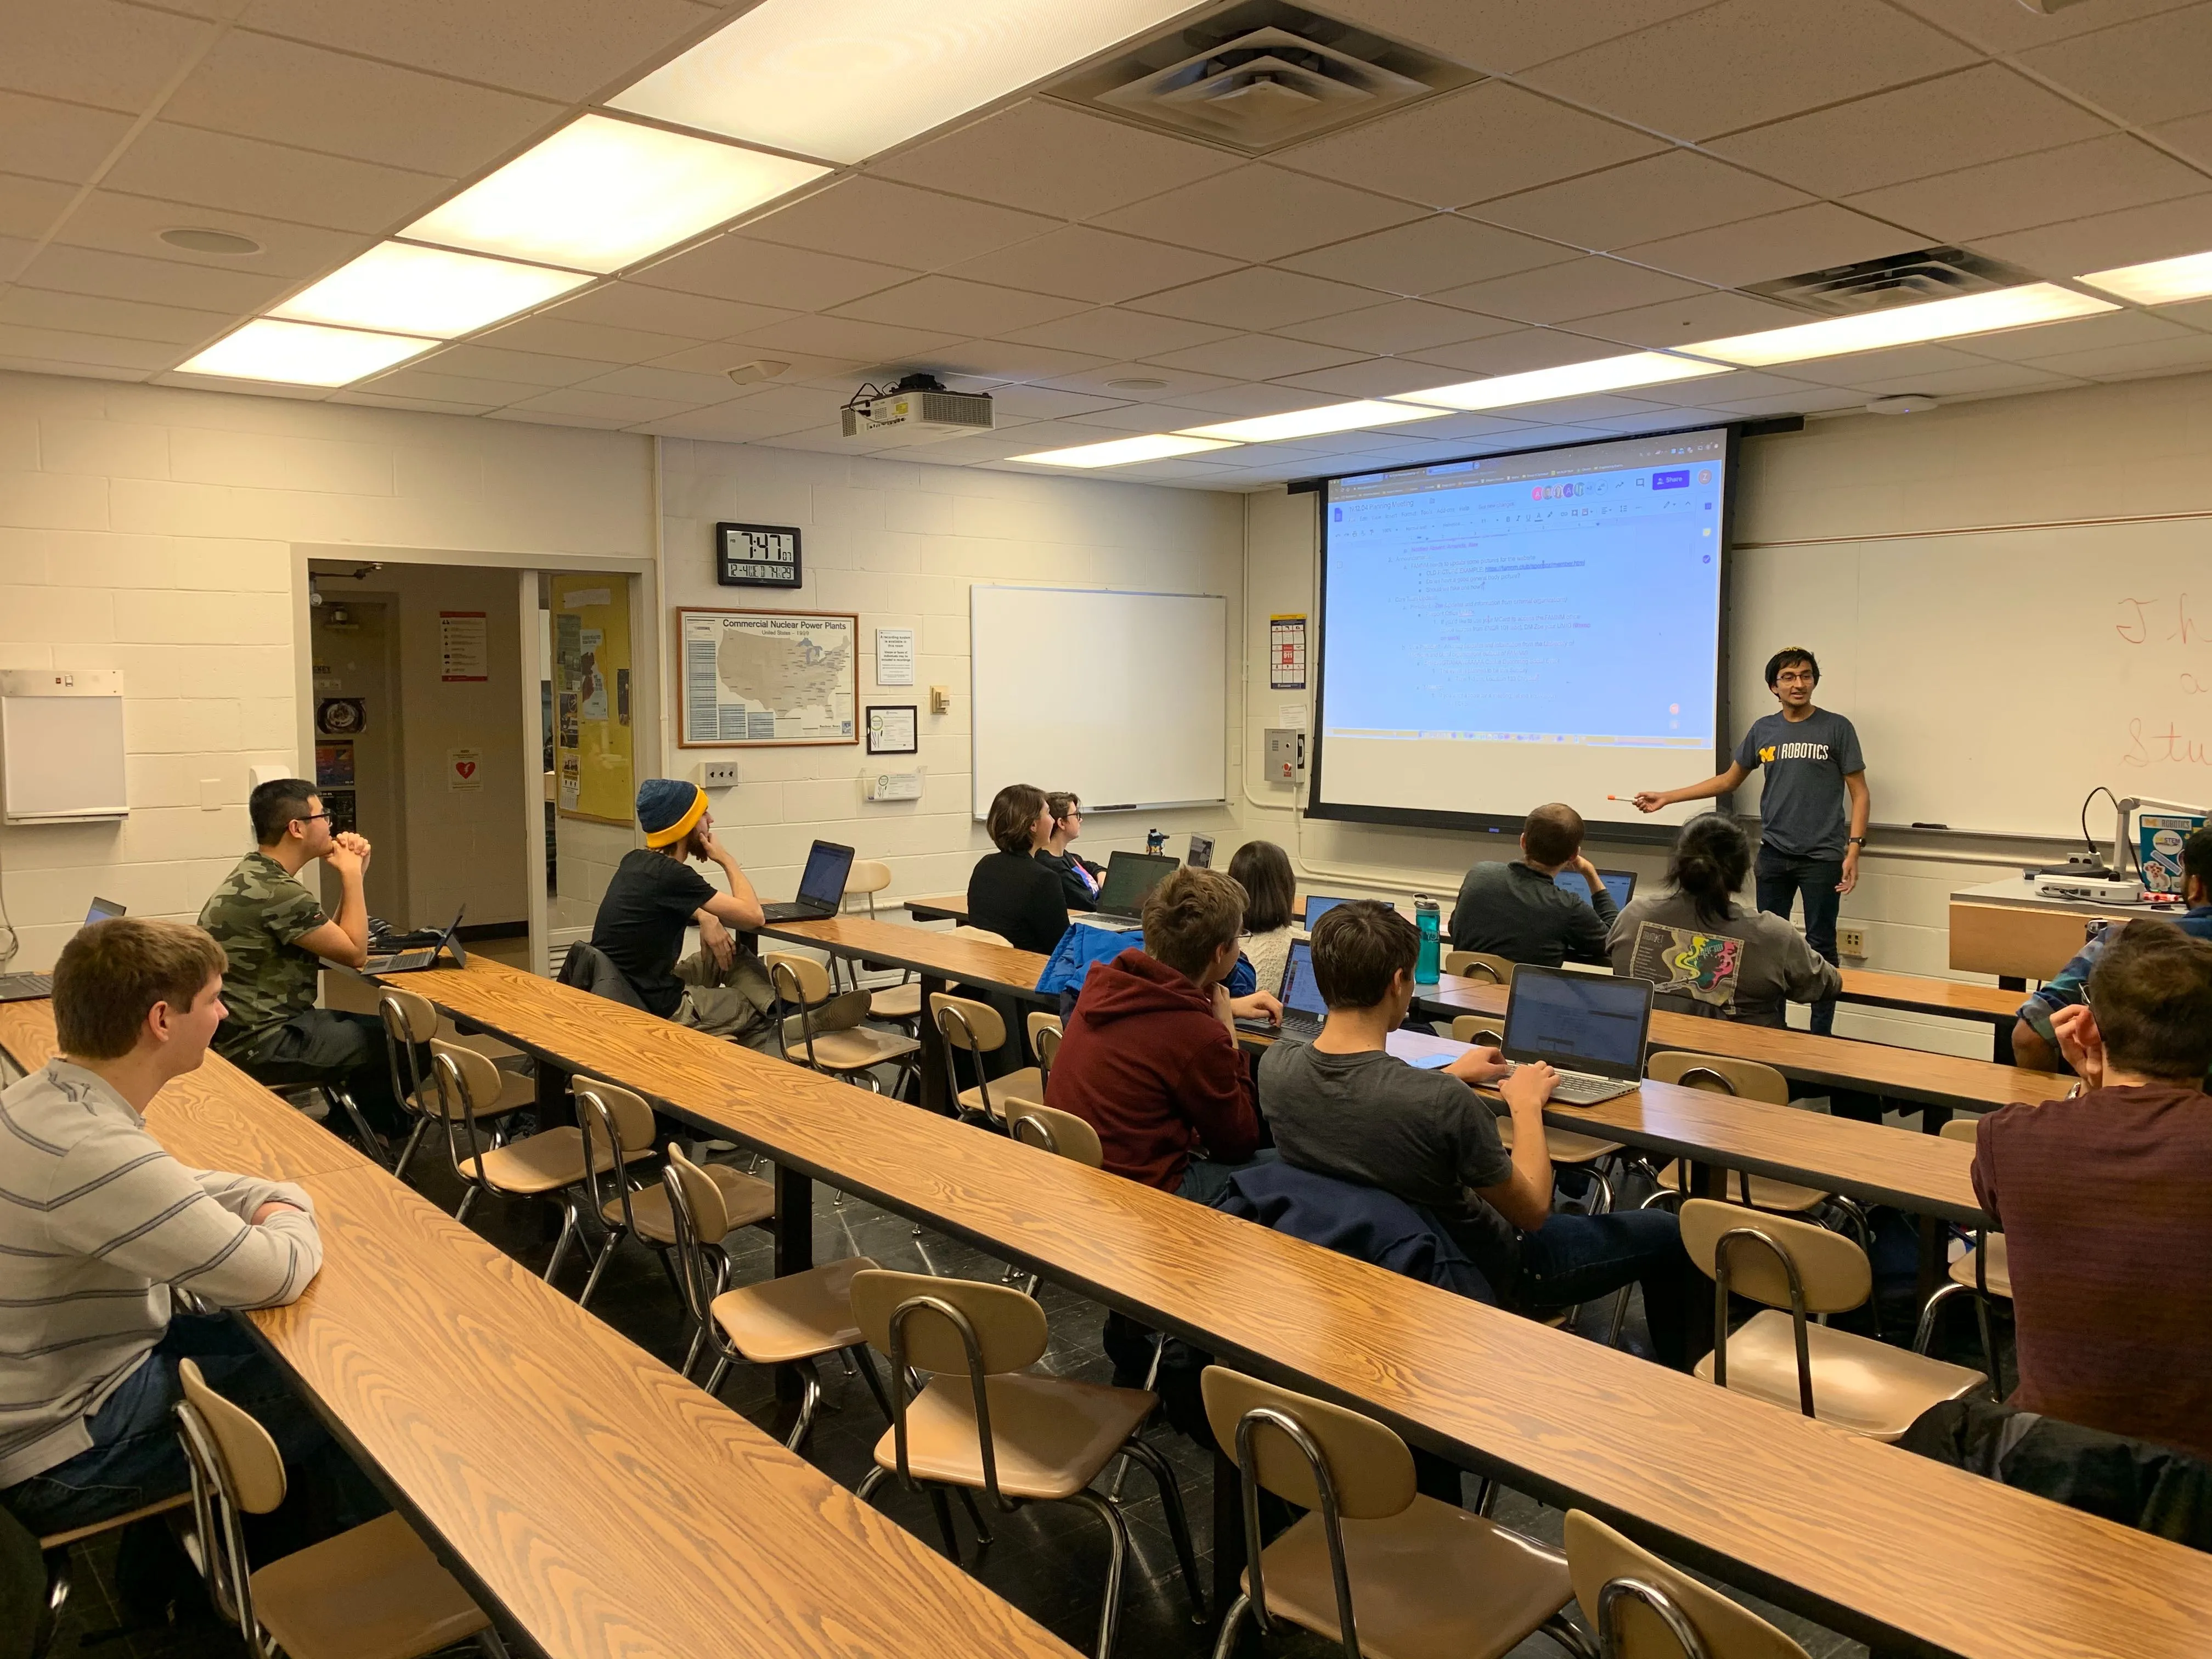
[(669, 809)]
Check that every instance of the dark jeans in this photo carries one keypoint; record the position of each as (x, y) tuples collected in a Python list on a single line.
[(1205, 1179), (136, 1459), (1572, 1259), (1782, 877), (329, 1045)]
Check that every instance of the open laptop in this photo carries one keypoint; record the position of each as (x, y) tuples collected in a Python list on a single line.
[(1621, 884), (1303, 1011), (23, 987), (410, 962), (1318, 907), (1592, 1030), (1130, 878), (820, 886)]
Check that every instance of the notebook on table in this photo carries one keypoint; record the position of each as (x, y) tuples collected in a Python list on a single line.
[(820, 886), (1592, 1030)]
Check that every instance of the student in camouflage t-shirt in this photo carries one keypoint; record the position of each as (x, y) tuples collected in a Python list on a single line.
[(277, 935)]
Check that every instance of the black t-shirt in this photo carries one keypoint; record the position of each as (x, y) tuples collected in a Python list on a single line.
[(639, 926)]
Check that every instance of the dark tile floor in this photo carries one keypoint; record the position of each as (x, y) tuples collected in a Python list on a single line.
[(1049, 1560)]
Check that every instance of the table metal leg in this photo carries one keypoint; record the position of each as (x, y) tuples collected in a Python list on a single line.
[(935, 1096), (1706, 1181), (794, 1253), (556, 1107), (2001, 1044), (2012, 982)]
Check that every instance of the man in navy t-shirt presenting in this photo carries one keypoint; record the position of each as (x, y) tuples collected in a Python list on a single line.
[(1813, 812)]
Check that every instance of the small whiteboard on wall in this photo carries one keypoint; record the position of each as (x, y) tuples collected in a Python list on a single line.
[(61, 745), (1121, 697)]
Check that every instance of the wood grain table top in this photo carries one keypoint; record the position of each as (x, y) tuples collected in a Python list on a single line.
[(1875, 1541), (924, 950)]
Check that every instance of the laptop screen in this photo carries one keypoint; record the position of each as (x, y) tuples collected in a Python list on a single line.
[(827, 867), (102, 910), (1299, 989), (1318, 907), (1129, 878), (1621, 884), (1578, 1022)]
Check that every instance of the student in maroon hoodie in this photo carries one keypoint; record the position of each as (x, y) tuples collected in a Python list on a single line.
[(1150, 1058)]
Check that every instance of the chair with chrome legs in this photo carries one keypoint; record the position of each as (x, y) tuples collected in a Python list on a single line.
[(979, 1028), (790, 1321), (617, 1126), (1482, 966), (1747, 1080), (1857, 1383), (409, 1022), (1372, 1564), (825, 1033), (894, 1004), (1045, 1032), (548, 1165), (375, 1592), (985, 1423), (1642, 1608), (1983, 1273)]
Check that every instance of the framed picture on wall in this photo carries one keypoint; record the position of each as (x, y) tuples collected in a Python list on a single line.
[(766, 678), (894, 728)]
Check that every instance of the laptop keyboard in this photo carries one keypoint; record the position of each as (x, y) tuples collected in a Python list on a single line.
[(1586, 1089), (20, 988)]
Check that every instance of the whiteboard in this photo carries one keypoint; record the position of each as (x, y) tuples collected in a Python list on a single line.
[(1996, 678), (61, 758), (1121, 697)]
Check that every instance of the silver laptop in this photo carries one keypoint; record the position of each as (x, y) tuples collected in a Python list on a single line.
[(411, 962), (1592, 1030), (23, 987)]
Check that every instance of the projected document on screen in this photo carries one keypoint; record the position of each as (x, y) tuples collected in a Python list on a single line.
[(1501, 633)]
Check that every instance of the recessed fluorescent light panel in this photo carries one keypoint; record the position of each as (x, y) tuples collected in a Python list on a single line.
[(426, 290), (1938, 319), (1125, 452), (1569, 380), (302, 354), (1311, 423), (601, 194), (843, 79), (2160, 282)]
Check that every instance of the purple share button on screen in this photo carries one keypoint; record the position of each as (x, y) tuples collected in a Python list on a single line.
[(1676, 480)]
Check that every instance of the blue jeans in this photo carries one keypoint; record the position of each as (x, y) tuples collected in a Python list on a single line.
[(135, 1458), (1573, 1258), (1782, 877)]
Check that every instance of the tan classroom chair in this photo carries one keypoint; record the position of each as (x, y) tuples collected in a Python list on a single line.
[(985, 1423), (407, 1020), (978, 1028), (1045, 1033), (1566, 1146), (793, 1321), (616, 1123), (1372, 1564), (895, 1003), (981, 935), (1984, 1272), (1061, 1134), (827, 1030), (548, 1165), (1642, 1608), (1854, 1383), (376, 1592), (1479, 965), (1747, 1079)]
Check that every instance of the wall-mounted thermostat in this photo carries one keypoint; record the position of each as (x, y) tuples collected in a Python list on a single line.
[(1286, 753), (892, 786)]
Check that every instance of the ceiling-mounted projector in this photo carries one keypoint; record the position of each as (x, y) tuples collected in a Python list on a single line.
[(917, 410)]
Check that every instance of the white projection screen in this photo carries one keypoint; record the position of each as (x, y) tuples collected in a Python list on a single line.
[(1547, 626)]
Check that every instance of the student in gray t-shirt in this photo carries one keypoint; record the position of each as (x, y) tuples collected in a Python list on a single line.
[(1813, 812)]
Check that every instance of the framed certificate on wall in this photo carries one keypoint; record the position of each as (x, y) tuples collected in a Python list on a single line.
[(893, 729)]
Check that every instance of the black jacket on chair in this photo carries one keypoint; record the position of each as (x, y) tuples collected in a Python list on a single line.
[(587, 968)]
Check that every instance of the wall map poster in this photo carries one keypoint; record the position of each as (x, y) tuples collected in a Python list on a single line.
[(592, 741), (766, 677)]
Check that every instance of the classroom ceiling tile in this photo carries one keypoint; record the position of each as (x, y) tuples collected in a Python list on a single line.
[(665, 311), (1259, 212), (1559, 294), (1258, 296), (766, 413), (952, 305), (158, 282), (214, 169), (1483, 141), (560, 49), (2046, 188), (2133, 362), (1661, 195), (421, 405), (1150, 417), (1900, 362), (14, 254), (1082, 262), (1256, 356), (532, 368), (873, 219), (1048, 158), (1744, 62), (29, 207), (1707, 316), (2114, 328), (2152, 70), (1806, 400), (1510, 353), (117, 223), (259, 87), (720, 356), (1244, 399), (126, 319), (666, 385), (557, 335), (2102, 241), (1980, 114), (1044, 402), (2192, 137), (1503, 36), (599, 405), (95, 51), (1998, 26), (1112, 332), (1441, 252), (1141, 383), (1981, 379), (1369, 377), (1399, 325), (742, 268), (1003, 360), (849, 336), (1812, 238), (431, 383), (61, 348), (47, 139)]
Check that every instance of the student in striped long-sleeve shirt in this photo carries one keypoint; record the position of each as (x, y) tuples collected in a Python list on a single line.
[(98, 1223)]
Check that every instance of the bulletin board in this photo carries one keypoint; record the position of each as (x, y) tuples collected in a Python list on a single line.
[(593, 739)]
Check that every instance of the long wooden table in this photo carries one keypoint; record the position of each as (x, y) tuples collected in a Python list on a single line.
[(601, 1506), (1888, 1547)]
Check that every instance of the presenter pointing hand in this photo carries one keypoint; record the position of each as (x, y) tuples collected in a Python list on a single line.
[(1813, 812)]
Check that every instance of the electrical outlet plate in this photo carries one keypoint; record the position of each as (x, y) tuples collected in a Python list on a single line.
[(1850, 942), (718, 774)]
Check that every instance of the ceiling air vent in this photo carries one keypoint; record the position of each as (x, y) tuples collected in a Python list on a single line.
[(1902, 279), (1262, 75)]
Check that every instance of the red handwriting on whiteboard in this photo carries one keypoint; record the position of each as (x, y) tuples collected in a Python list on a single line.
[(2191, 686), (2135, 624), (2172, 747)]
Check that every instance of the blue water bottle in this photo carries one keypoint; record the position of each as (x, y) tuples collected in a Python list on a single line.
[(1424, 918)]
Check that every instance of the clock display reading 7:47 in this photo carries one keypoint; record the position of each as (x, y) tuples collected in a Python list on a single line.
[(756, 556)]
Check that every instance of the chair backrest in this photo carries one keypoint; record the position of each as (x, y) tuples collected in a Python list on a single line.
[(407, 1017), (1009, 1327), (700, 1218), (1481, 1030), (617, 1126), (797, 979), (967, 1023), (1833, 1269), (1630, 1626), (1962, 1128), (1479, 964), (1368, 1464), (249, 1467), (234, 1468), (1056, 1130), (1045, 1032), (868, 876), (841, 1013), (984, 935), (1719, 1074)]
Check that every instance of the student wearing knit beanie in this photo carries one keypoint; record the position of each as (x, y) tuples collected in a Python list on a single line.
[(655, 894)]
